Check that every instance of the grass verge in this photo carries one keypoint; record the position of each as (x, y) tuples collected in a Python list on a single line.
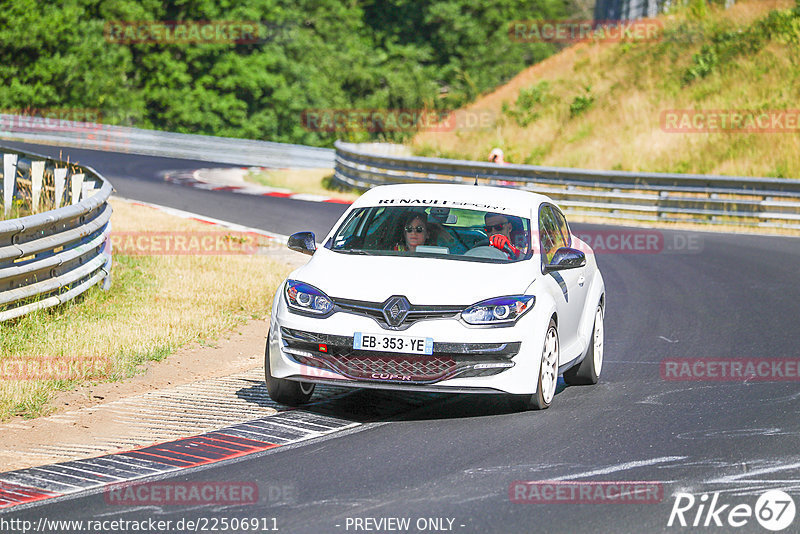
[(600, 105), (156, 304)]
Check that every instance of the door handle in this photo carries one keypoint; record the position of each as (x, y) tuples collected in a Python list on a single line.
[(581, 280)]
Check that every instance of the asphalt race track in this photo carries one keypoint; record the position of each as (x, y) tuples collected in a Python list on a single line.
[(140, 178), (447, 463)]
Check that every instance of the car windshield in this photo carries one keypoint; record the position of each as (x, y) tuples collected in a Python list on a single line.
[(449, 233)]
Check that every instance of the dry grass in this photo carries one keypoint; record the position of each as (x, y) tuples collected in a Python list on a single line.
[(632, 84), (21, 205), (156, 304), (310, 181)]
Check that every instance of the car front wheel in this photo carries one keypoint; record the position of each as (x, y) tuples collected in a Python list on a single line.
[(285, 391), (548, 372), (588, 371)]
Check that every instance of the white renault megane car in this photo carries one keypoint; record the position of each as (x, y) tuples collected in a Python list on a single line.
[(448, 288)]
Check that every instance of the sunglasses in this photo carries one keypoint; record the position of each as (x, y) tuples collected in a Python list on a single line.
[(495, 227), (417, 229)]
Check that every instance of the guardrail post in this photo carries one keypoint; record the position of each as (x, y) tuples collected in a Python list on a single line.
[(87, 189), (9, 180), (107, 249), (37, 175), (77, 185), (59, 177)]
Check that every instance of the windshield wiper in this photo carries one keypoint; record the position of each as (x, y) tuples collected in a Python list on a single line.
[(353, 251)]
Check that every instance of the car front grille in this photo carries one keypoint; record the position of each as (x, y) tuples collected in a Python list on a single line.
[(394, 367), (374, 310), (416, 368), (449, 360)]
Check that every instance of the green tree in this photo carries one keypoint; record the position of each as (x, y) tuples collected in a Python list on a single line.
[(314, 54)]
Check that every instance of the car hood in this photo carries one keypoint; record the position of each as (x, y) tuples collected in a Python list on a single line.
[(424, 281)]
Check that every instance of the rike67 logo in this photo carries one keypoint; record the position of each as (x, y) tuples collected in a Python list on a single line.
[(774, 510)]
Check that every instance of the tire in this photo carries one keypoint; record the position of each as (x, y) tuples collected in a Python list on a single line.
[(588, 371), (285, 391), (548, 372)]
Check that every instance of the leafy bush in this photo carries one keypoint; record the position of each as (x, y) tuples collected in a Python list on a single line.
[(582, 103), (726, 44), (698, 9), (529, 102), (784, 26), (704, 64)]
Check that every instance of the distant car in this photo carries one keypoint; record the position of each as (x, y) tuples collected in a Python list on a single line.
[(456, 315)]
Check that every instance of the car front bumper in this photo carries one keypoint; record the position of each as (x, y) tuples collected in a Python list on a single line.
[(465, 359)]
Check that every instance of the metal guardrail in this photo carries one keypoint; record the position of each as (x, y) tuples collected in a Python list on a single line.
[(51, 257), (697, 198), (229, 150), (637, 9)]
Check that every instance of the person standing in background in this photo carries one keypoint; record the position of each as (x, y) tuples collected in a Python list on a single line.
[(496, 156)]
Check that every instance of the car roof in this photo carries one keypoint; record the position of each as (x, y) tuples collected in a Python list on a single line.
[(480, 197)]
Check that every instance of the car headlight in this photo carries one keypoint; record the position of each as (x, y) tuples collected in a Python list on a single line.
[(499, 310), (306, 298)]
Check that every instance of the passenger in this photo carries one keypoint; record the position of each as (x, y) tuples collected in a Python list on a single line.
[(415, 231), (498, 228)]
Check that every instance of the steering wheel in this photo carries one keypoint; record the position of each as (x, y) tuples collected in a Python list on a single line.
[(486, 251)]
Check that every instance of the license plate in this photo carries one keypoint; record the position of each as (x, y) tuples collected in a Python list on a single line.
[(384, 343)]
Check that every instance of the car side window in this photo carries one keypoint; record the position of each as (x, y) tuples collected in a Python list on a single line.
[(551, 238), (562, 226)]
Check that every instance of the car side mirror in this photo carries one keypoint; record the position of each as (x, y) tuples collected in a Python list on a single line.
[(566, 258), (303, 242)]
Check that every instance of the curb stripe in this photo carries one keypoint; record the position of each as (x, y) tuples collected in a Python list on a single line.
[(65, 478), (190, 179), (11, 494), (157, 458)]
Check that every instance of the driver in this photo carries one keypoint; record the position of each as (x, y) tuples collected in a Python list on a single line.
[(498, 227)]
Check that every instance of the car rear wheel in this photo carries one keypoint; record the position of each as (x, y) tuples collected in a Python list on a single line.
[(588, 371), (285, 391), (548, 372)]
